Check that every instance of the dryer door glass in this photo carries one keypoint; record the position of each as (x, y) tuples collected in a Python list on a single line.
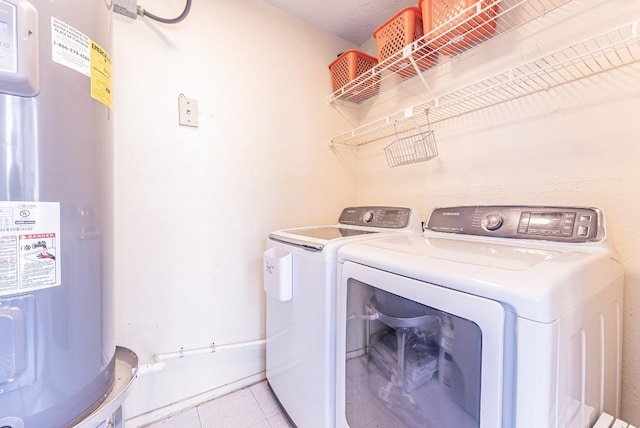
[(408, 363)]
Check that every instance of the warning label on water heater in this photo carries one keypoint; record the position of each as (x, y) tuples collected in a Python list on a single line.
[(75, 50), (70, 47), (29, 246), (101, 80)]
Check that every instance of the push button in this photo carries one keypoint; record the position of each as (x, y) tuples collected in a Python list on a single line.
[(583, 231)]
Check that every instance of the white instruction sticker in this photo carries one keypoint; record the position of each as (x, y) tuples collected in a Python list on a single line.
[(70, 47), (29, 246), (75, 50)]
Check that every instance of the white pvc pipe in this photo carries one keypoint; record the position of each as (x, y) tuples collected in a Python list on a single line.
[(159, 359), (145, 369), (205, 350), (182, 353)]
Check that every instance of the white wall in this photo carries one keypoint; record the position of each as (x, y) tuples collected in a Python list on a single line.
[(194, 205), (574, 145)]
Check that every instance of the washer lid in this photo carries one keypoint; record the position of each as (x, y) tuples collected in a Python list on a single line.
[(537, 280), (354, 223), (328, 233), (318, 237)]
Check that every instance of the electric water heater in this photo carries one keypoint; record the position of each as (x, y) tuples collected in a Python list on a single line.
[(56, 337)]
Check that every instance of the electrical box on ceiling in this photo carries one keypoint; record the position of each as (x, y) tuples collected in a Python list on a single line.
[(126, 7)]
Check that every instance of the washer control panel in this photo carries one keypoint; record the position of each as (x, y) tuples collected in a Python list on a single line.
[(568, 224), (386, 217)]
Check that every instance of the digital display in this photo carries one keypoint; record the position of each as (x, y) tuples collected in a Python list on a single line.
[(549, 221), (390, 215)]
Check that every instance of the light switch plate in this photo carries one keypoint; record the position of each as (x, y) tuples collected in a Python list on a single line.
[(187, 111)]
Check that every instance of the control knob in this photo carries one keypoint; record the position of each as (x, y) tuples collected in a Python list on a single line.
[(493, 221), (368, 216)]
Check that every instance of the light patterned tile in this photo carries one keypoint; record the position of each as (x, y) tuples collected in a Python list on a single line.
[(262, 424), (187, 419), (279, 421), (265, 399), (237, 410)]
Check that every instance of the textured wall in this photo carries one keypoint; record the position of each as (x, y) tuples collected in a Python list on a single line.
[(194, 205)]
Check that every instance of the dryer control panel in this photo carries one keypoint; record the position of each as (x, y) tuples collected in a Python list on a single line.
[(563, 224)]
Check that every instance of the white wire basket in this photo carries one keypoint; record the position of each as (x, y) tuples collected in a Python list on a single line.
[(420, 146)]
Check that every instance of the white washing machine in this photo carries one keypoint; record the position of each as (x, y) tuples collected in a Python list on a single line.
[(300, 286), (498, 316)]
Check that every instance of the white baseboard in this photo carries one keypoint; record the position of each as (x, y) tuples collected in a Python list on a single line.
[(182, 405)]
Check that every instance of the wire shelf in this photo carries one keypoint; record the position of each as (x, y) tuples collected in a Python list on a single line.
[(477, 24), (606, 51), (420, 146)]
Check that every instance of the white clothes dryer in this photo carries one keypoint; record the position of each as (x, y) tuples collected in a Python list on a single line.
[(498, 316), (300, 286)]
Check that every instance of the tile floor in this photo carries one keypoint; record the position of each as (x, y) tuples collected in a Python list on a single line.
[(252, 407)]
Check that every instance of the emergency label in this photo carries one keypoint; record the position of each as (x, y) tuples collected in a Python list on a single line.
[(75, 50), (101, 80), (29, 246)]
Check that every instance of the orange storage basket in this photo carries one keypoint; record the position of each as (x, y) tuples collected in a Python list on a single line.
[(346, 68), (456, 24), (401, 30)]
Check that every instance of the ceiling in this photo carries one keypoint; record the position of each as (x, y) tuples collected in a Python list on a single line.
[(352, 20)]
